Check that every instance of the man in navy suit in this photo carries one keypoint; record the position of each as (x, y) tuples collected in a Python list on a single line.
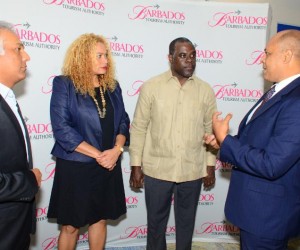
[(264, 193), (19, 182)]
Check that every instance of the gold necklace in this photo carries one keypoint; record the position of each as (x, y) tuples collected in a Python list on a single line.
[(103, 112)]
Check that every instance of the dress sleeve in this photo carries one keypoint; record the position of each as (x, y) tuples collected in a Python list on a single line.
[(125, 121), (62, 114)]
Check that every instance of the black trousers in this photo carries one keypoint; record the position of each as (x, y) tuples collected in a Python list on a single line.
[(158, 195)]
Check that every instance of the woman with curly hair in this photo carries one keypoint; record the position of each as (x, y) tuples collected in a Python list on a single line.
[(90, 127)]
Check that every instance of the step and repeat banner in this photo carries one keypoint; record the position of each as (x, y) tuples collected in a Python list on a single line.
[(229, 39)]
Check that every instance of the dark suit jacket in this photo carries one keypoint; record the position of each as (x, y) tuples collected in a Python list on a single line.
[(74, 119), (18, 184), (264, 191)]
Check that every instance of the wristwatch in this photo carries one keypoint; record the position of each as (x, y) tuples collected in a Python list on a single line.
[(120, 148)]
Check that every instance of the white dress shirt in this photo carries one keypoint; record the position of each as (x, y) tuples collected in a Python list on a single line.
[(278, 86)]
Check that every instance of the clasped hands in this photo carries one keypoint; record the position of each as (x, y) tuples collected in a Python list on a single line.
[(108, 158), (220, 130)]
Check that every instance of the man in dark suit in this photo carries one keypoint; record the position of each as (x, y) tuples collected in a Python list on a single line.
[(264, 193), (19, 182)]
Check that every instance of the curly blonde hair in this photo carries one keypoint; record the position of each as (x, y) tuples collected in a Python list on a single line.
[(78, 64)]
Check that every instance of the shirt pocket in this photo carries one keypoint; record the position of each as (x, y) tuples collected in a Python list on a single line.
[(161, 119), (194, 123)]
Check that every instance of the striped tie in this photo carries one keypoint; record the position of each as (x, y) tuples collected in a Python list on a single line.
[(268, 95), (266, 98)]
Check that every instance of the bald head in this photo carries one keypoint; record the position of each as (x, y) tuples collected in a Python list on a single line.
[(282, 56), (290, 40)]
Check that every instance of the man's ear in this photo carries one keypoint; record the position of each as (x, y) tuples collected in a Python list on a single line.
[(288, 54), (170, 57)]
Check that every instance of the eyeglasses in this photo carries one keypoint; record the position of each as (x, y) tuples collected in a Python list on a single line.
[(267, 53)]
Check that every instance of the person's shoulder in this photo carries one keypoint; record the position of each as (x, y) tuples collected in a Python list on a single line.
[(157, 79), (293, 89), (62, 82), (201, 82), (62, 78), (117, 88)]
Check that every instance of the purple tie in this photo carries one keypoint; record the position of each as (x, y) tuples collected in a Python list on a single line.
[(268, 95), (266, 98)]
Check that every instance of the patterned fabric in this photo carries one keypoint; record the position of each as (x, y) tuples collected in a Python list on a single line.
[(266, 98), (269, 94), (166, 134)]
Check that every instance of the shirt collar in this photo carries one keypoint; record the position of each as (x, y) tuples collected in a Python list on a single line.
[(170, 76), (6, 92), (280, 85)]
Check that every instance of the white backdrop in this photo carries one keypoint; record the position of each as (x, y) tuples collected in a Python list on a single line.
[(229, 38)]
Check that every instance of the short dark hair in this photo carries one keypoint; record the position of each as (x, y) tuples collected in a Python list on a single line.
[(178, 40)]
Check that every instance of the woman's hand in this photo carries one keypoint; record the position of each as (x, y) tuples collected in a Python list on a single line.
[(108, 158)]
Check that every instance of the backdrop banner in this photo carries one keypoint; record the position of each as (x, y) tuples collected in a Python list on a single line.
[(282, 26), (229, 39)]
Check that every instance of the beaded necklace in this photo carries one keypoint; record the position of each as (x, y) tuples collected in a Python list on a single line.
[(102, 112)]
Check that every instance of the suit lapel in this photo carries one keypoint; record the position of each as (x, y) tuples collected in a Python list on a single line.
[(269, 104), (10, 114), (243, 123), (276, 98), (27, 138), (7, 110), (266, 106), (90, 107)]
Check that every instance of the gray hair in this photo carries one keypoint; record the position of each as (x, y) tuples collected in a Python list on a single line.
[(4, 26)]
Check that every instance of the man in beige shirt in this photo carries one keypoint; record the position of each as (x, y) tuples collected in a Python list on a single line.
[(167, 153)]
